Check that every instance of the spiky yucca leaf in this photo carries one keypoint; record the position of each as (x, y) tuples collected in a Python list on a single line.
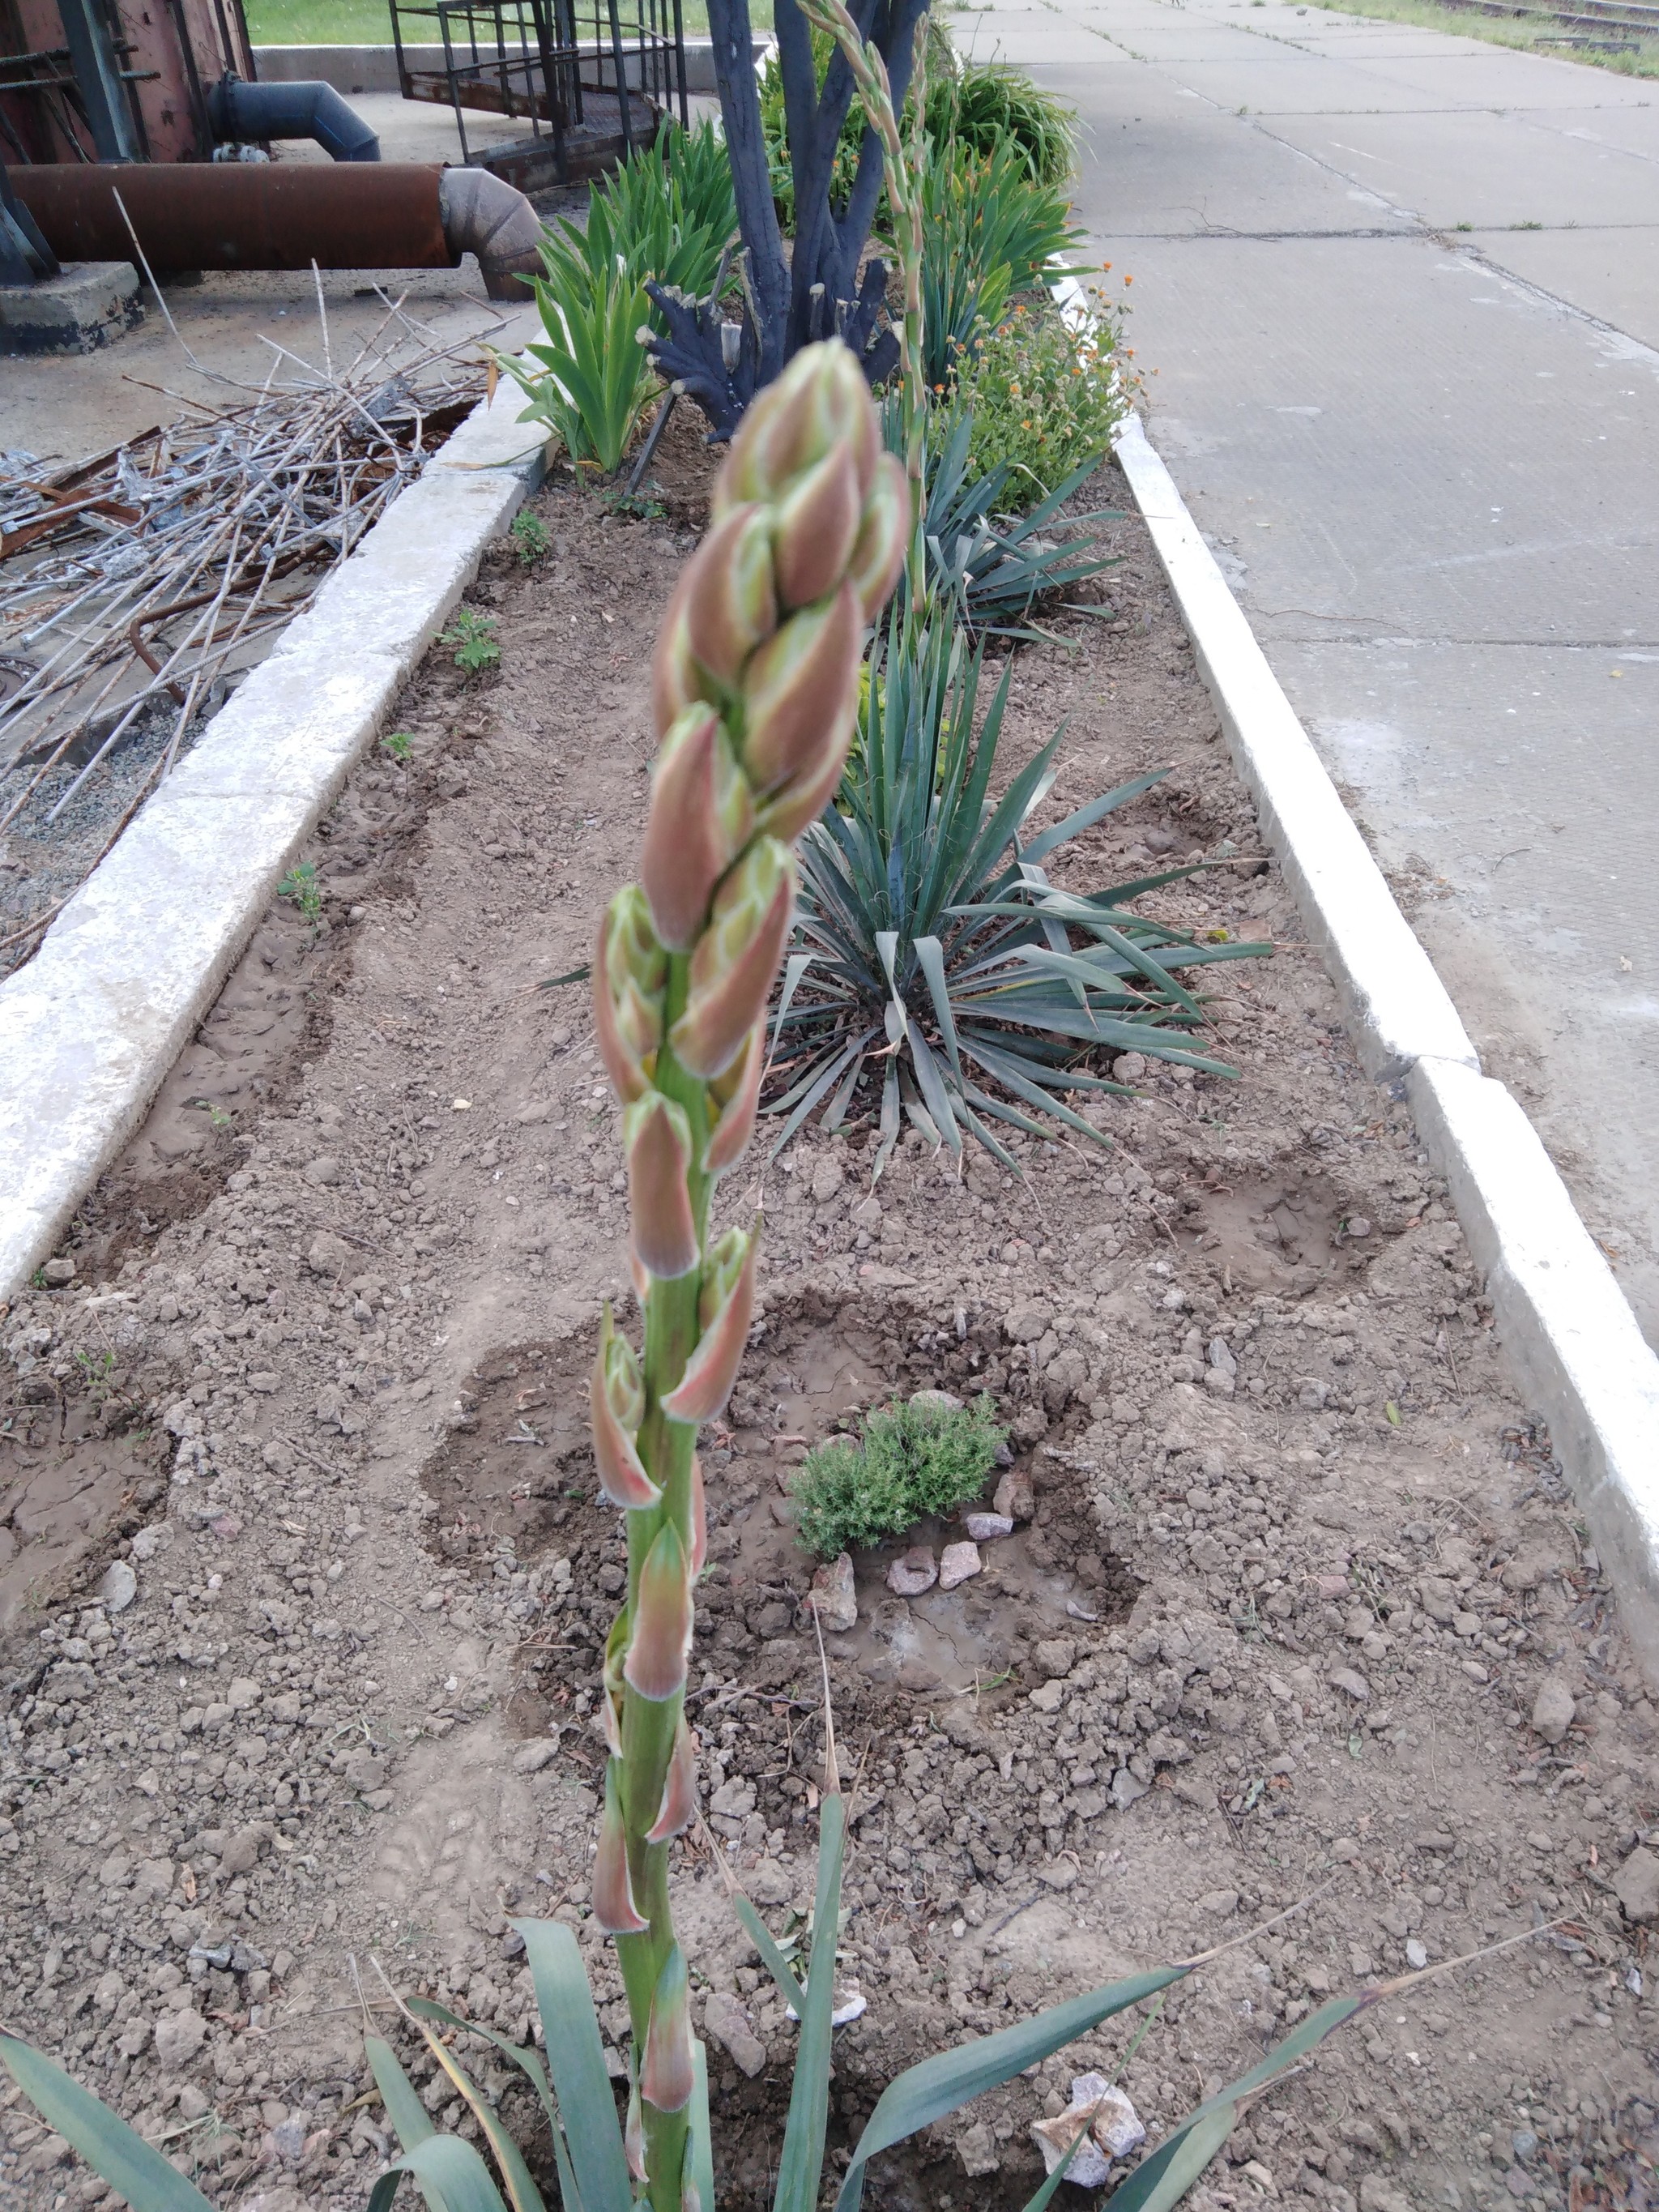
[(933, 956)]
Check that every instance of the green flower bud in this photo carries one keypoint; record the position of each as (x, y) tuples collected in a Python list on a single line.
[(816, 529), (616, 1401), (726, 1304), (730, 602), (660, 1639), (657, 1140), (703, 814), (883, 533), (668, 2070), (800, 692), (613, 1889), (820, 401), (630, 971)]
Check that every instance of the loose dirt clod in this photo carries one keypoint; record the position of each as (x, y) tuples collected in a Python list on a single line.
[(305, 1580)]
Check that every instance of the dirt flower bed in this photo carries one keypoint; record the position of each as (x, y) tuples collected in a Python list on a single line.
[(304, 1581)]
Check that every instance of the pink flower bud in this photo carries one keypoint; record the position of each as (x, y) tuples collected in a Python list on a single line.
[(676, 682), (736, 1094), (816, 528), (631, 969), (800, 691), (730, 604), (736, 958), (725, 1306), (617, 1398), (703, 814), (878, 556), (657, 1139), (660, 1642), (699, 1559), (820, 400), (668, 2071), (679, 1791), (798, 804), (613, 1888)]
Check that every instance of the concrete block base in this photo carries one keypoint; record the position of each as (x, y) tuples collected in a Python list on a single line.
[(88, 306)]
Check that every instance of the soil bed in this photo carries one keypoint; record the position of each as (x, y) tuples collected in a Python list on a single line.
[(1299, 1567)]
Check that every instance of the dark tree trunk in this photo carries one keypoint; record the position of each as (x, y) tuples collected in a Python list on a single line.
[(819, 293)]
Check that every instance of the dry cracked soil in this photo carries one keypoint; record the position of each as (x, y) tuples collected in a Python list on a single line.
[(1297, 1648)]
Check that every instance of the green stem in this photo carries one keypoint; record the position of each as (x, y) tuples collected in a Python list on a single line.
[(648, 1727)]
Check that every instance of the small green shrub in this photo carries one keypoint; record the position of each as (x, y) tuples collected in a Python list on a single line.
[(400, 744), (471, 637), (1045, 399), (300, 885), (910, 1463), (532, 540)]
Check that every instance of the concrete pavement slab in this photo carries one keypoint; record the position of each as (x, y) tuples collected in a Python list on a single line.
[(1475, 167), (1498, 77), (1289, 83), (1634, 128), (1597, 270)]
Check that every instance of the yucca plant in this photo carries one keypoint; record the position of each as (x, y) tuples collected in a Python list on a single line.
[(755, 682), (936, 958), (995, 565)]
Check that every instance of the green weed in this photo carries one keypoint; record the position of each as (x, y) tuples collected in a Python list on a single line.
[(471, 638), (399, 744), (531, 538), (300, 885)]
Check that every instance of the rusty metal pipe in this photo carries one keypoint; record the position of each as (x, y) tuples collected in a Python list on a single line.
[(385, 215)]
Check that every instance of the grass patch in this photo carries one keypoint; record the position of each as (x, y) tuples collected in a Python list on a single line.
[(1542, 36), (368, 22), (910, 1463)]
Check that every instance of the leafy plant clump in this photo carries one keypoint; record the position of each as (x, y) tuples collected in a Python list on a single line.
[(936, 957), (1045, 400), (981, 105), (300, 888), (472, 642), (532, 538), (910, 1463), (989, 230)]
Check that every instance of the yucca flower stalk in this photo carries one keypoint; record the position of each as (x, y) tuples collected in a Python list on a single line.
[(755, 694)]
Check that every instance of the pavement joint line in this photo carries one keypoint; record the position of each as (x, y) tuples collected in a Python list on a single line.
[(91, 1026), (1560, 1312)]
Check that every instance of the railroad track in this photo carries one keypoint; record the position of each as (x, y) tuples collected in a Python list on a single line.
[(1632, 17)]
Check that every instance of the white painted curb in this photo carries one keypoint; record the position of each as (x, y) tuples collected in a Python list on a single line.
[(1562, 1316), (91, 1025)]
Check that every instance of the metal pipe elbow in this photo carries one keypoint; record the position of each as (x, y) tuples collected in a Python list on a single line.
[(483, 215), (313, 109)]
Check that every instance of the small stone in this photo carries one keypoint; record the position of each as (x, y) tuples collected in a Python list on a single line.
[(158, 1537), (323, 1171), (769, 1883), (1553, 1709), (1221, 1903), (833, 1596), (1128, 1067), (1055, 1656), (58, 1274), (241, 1694), (264, 1381), (241, 1853), (118, 1587), (1126, 1788), (725, 2018), (1357, 1225), (976, 2147), (1049, 1696), (1378, 2195), (531, 1758), (1058, 1873), (867, 1214), (1025, 1324), (1345, 1850), (328, 1254), (1351, 1685), (280, 1457), (827, 1179), (1636, 1886), (1417, 1954), (958, 1564), (179, 2036), (942, 1398), (1015, 1499), (192, 2102), (986, 1527), (913, 1574)]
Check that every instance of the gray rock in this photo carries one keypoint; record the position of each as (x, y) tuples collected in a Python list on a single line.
[(867, 1214), (1025, 1324), (1351, 1685), (914, 1573), (1015, 1499), (531, 1758), (323, 1171), (724, 2018), (118, 1587), (179, 2036), (1055, 1657), (986, 1527), (241, 1852), (158, 1537), (1553, 1709), (1417, 1954), (1126, 1789), (328, 1254), (833, 1596), (827, 1179), (976, 2147), (1636, 1886), (942, 1398), (769, 1883), (58, 1274), (958, 1564)]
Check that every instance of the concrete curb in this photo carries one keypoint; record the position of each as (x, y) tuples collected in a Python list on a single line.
[(89, 1027), (1562, 1316)]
